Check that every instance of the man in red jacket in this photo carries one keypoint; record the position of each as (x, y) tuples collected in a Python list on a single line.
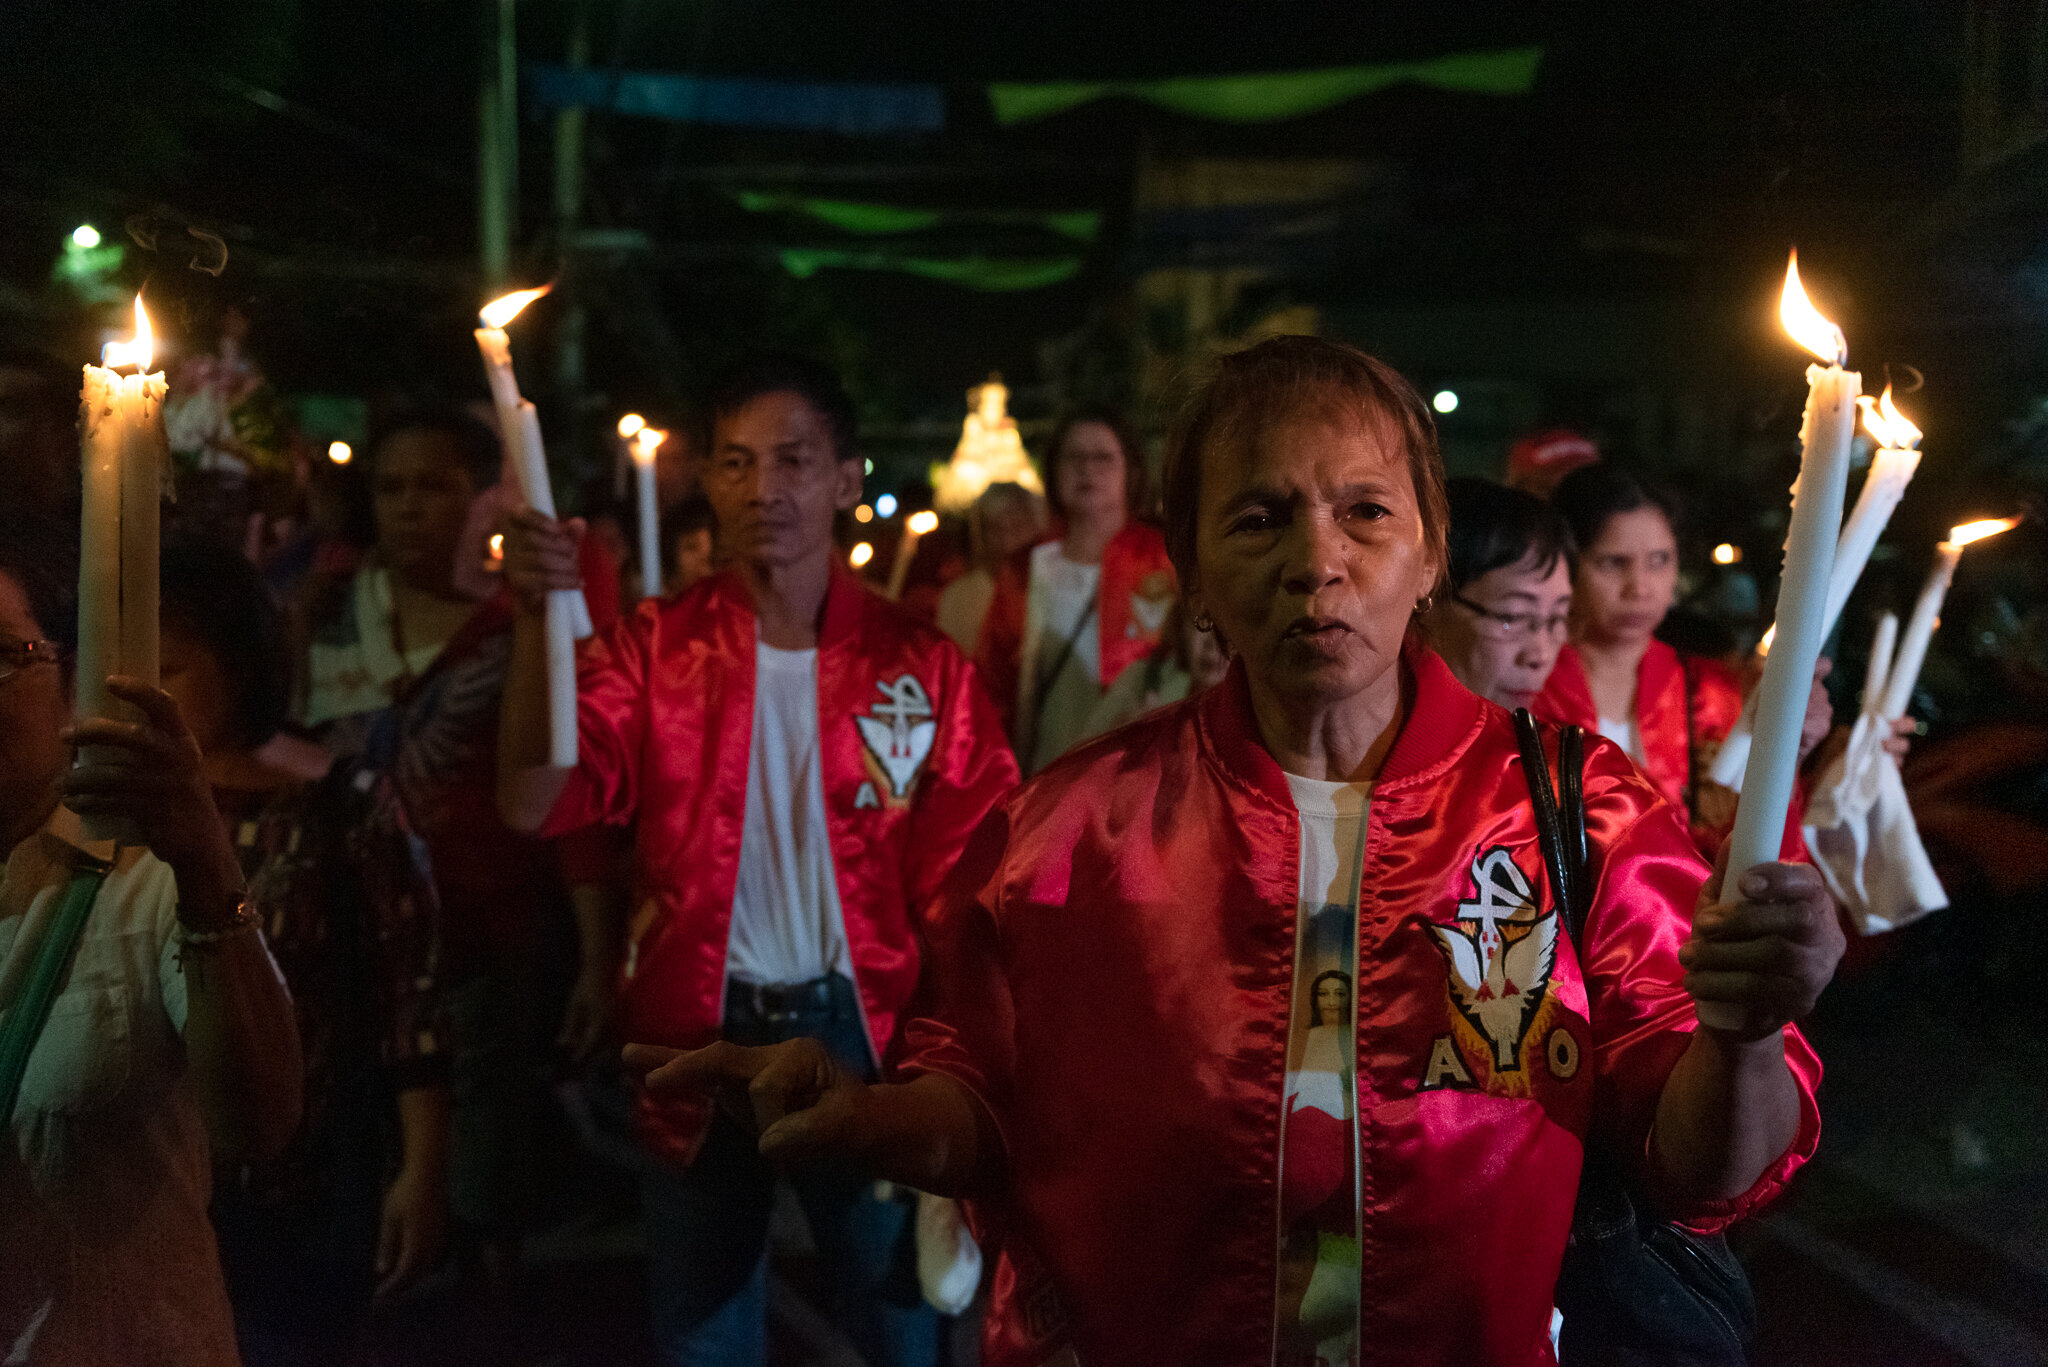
[(804, 764)]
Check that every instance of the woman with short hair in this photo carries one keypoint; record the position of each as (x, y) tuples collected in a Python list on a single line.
[(1072, 613), (1505, 607), (1110, 1055)]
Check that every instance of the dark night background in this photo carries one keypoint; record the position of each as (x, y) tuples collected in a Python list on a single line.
[(1602, 252)]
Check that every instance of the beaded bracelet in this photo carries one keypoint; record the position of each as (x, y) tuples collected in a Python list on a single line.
[(243, 919)]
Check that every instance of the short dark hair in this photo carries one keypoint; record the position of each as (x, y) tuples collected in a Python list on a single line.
[(1493, 527), (480, 449), (1248, 389), (40, 553), (1137, 476), (693, 514), (1587, 497), (212, 594), (785, 372)]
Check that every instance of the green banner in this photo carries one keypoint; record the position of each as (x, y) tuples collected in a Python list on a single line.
[(872, 220), (1285, 95), (972, 272)]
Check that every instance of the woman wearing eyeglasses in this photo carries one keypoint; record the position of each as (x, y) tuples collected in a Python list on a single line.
[(1669, 712), (1503, 616)]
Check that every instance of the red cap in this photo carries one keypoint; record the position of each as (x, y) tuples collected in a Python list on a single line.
[(1544, 458)]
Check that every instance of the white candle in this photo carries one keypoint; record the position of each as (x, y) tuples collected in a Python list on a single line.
[(906, 550), (1881, 647), (123, 452), (1891, 469), (1803, 589), (1905, 670), (646, 446), (567, 615)]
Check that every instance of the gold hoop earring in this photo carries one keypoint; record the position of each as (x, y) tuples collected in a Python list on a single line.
[(1427, 602), (1204, 622)]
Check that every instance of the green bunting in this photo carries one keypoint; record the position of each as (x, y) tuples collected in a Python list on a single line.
[(1285, 95), (875, 220), (972, 272)]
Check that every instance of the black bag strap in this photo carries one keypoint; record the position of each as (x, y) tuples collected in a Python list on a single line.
[(1560, 832), (1043, 680)]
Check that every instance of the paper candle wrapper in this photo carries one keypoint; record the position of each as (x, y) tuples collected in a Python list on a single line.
[(1863, 838)]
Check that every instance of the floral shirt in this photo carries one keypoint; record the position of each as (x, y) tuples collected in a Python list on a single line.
[(349, 908)]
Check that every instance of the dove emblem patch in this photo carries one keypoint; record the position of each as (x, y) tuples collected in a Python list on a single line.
[(1498, 959), (897, 733)]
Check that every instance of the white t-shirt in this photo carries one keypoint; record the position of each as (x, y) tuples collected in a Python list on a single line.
[(787, 926), (1319, 1141), (106, 1254), (1061, 592), (1622, 732)]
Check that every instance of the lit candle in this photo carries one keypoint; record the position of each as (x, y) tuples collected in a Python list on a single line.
[(1803, 589), (920, 524), (124, 454), (1905, 670), (1891, 469), (646, 443), (568, 616)]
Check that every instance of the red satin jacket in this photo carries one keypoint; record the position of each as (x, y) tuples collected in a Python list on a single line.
[(1138, 587), (911, 756), (1109, 972), (1669, 750)]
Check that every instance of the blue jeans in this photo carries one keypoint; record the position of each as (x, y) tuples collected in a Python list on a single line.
[(707, 1224)]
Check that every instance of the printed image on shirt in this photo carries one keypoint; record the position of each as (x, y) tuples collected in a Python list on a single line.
[(1318, 1292)]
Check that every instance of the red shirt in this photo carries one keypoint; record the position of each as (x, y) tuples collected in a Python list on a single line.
[(911, 759), (1109, 972)]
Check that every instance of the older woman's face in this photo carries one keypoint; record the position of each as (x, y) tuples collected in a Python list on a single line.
[(1310, 554)]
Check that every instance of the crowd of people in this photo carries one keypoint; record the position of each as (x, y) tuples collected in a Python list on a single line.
[(1150, 901)]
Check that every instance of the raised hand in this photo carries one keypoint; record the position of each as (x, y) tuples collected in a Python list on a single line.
[(1769, 955), (540, 556), (150, 773)]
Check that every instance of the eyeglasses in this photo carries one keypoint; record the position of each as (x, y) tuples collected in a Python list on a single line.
[(1515, 626), (16, 656)]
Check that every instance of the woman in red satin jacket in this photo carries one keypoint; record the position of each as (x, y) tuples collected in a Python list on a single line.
[(1105, 1055), (1105, 573), (1669, 712)]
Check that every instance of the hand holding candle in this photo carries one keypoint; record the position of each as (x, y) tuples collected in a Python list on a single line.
[(568, 616), (124, 455), (1802, 592)]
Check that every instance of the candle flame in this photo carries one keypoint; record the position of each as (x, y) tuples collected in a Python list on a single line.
[(630, 425), (1763, 647), (1804, 322), (340, 452), (498, 546), (860, 555), (924, 522), (1977, 531), (1883, 420), (138, 353), (505, 308), (646, 442)]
